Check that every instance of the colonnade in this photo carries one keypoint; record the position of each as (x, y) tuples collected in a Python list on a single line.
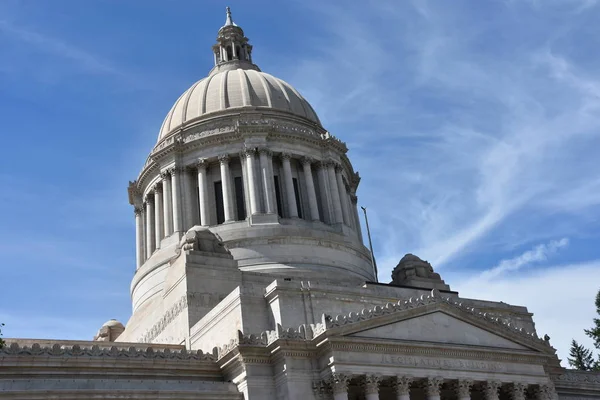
[(329, 200), (340, 386)]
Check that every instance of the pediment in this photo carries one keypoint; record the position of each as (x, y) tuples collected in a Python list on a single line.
[(438, 327)]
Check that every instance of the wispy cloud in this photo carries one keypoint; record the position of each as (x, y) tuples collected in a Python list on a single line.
[(538, 254)]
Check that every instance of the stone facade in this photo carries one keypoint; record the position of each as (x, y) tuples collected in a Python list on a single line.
[(252, 280)]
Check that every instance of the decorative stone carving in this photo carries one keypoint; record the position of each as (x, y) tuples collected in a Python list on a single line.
[(371, 384), (286, 156), (249, 151), (110, 331), (202, 163), (265, 150), (339, 383), (517, 391), (491, 390), (307, 160), (223, 158), (202, 239), (463, 388), (433, 385), (402, 385), (322, 390), (138, 210), (412, 266), (165, 174)]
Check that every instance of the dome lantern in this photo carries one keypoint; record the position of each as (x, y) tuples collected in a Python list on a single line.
[(232, 50)]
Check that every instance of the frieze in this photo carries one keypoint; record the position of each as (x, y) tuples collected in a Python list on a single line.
[(579, 377), (58, 350), (421, 362), (190, 137)]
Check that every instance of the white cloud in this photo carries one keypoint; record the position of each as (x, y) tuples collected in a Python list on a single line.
[(560, 297), (537, 254)]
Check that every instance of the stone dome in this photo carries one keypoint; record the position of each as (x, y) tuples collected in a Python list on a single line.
[(235, 89), (112, 323)]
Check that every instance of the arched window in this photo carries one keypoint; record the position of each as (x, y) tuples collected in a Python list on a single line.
[(229, 53), (237, 52)]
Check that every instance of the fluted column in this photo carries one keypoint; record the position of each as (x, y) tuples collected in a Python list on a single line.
[(432, 388), (517, 391), (203, 191), (289, 185), (226, 186), (354, 201), (176, 199), (310, 188), (266, 171), (339, 384), (189, 199), (252, 182), (335, 195), (463, 389), (158, 215), (372, 387), (402, 386), (342, 193), (491, 390), (139, 236), (149, 226), (167, 203), (324, 192)]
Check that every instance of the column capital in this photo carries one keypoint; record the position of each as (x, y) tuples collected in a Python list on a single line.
[(321, 164), (545, 392), (249, 151), (173, 170), (164, 174), (307, 160), (223, 158), (402, 384), (138, 210), (517, 391), (339, 383), (265, 150), (286, 156), (322, 389), (371, 384), (330, 163), (433, 385), (338, 167), (149, 197), (201, 163), (156, 188), (463, 388), (491, 389), (353, 198)]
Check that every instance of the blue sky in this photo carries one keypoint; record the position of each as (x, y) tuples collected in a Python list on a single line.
[(475, 127)]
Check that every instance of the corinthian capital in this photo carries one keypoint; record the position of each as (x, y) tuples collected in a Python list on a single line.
[(249, 151), (138, 210), (402, 385), (307, 160), (517, 391), (173, 170), (286, 156), (202, 163), (165, 174), (491, 390), (339, 383), (265, 150), (224, 158), (433, 386), (463, 388), (372, 384)]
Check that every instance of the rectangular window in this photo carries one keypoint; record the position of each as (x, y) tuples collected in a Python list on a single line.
[(219, 202), (278, 196), (297, 194), (239, 198)]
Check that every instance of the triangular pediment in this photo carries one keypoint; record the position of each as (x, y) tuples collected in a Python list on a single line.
[(438, 327)]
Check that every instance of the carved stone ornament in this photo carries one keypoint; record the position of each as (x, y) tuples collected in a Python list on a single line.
[(165, 175), (546, 392), (322, 390), (223, 158), (463, 388), (433, 386), (286, 156), (202, 163), (371, 384), (202, 239), (491, 390), (173, 170), (402, 385), (249, 152), (307, 160), (339, 383), (265, 150), (517, 391), (138, 210)]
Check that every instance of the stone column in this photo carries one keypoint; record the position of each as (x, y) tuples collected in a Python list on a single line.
[(342, 193), (546, 392), (322, 390), (339, 384), (226, 185), (324, 191), (432, 388), (189, 199), (338, 218), (310, 188), (252, 182), (517, 391), (158, 215), (289, 186), (354, 201), (203, 191), (167, 204), (402, 386), (266, 171), (176, 199), (149, 226), (463, 389), (139, 236), (372, 387), (491, 390)]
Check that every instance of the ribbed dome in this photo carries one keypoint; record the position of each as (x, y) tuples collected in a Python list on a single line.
[(235, 89)]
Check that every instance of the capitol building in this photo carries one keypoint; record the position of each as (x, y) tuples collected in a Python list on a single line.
[(252, 280)]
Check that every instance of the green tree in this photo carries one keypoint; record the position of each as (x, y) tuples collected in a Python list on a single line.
[(581, 358)]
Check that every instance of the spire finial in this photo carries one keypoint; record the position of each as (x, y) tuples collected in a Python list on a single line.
[(229, 20)]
